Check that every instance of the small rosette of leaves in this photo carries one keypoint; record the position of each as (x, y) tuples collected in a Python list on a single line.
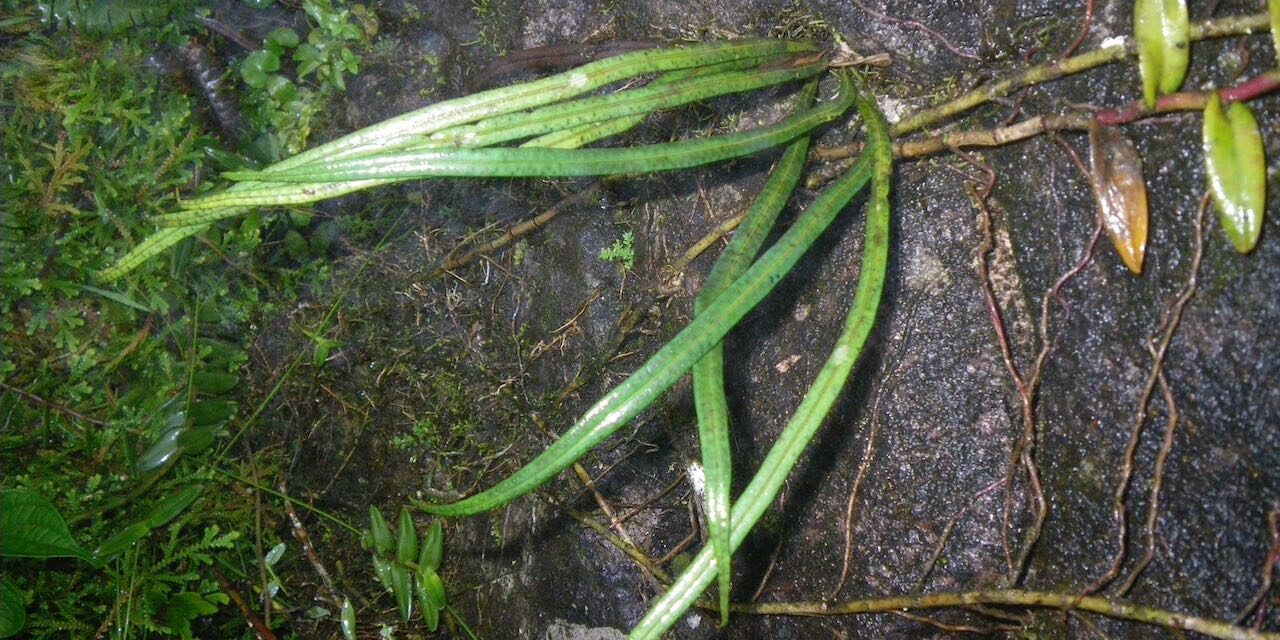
[(1163, 35), (1236, 169), (1115, 172), (408, 567)]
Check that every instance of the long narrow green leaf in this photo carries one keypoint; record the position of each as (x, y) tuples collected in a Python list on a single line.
[(662, 370), (412, 127), (523, 162), (708, 374), (153, 245), (811, 413), (1236, 169), (644, 100)]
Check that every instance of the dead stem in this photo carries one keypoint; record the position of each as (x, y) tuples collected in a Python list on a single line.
[(1119, 509), (525, 228), (1111, 608), (331, 593)]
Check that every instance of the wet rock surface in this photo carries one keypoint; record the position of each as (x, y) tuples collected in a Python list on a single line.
[(487, 363)]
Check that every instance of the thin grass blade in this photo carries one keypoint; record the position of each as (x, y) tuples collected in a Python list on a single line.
[(811, 413)]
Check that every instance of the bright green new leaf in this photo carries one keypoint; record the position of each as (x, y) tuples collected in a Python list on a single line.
[(1236, 168), (31, 527), (13, 615), (1163, 36)]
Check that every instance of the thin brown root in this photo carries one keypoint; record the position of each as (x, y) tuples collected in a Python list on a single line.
[(949, 530), (1259, 600), (1112, 608), (1119, 508)]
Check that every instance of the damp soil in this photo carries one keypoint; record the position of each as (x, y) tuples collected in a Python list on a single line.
[(443, 383)]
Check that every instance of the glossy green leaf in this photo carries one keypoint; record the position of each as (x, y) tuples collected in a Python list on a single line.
[(348, 620), (383, 542), (402, 589), (431, 597), (432, 547), (1163, 36), (13, 613), (430, 612), (32, 527), (407, 542), (169, 508), (1236, 169), (382, 569), (273, 556), (121, 542), (1115, 172)]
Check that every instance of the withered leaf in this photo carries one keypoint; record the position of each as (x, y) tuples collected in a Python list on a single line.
[(1115, 171)]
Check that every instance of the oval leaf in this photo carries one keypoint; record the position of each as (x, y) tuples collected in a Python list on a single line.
[(1236, 168), (1163, 36), (348, 617), (1115, 172), (31, 527)]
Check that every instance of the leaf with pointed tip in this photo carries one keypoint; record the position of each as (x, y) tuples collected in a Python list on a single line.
[(1163, 35), (380, 532), (432, 547), (31, 527), (1115, 171), (1236, 168), (407, 544)]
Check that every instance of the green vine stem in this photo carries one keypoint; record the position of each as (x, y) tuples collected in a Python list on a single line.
[(1015, 597), (1217, 28)]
